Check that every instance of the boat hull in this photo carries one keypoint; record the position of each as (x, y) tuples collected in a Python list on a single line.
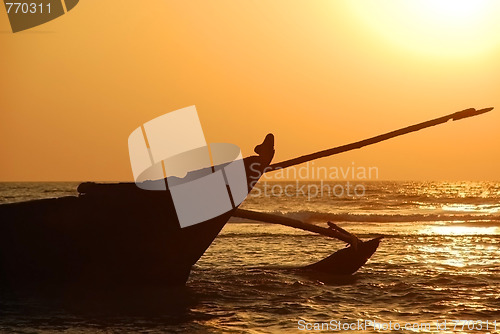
[(111, 235), (100, 241)]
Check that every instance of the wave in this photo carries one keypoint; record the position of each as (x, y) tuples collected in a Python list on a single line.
[(312, 216)]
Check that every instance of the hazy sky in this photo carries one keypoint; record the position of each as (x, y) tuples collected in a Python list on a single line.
[(315, 73)]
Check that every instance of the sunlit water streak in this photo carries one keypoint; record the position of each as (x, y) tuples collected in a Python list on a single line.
[(439, 260)]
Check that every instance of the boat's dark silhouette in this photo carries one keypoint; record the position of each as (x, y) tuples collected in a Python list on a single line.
[(115, 235), (110, 235)]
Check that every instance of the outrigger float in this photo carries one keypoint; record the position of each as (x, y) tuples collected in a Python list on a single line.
[(113, 235)]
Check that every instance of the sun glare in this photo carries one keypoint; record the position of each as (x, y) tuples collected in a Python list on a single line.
[(452, 10), (436, 27)]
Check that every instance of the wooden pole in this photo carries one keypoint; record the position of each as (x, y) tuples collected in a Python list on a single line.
[(336, 150)]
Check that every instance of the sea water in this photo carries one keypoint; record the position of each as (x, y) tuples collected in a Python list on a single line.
[(439, 261)]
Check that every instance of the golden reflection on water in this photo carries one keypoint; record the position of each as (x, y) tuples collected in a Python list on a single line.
[(481, 208), (460, 230), (460, 249)]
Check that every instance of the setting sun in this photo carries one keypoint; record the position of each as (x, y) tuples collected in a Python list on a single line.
[(435, 27)]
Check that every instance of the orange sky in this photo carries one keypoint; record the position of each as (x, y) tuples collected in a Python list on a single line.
[(315, 73)]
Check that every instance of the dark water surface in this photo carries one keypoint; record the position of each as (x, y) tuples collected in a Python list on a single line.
[(439, 260)]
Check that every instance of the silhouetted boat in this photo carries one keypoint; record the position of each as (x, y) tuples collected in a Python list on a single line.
[(110, 235), (115, 235)]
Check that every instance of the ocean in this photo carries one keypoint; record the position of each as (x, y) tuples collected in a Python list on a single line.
[(437, 266)]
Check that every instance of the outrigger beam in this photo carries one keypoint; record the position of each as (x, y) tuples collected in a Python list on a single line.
[(334, 231)]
